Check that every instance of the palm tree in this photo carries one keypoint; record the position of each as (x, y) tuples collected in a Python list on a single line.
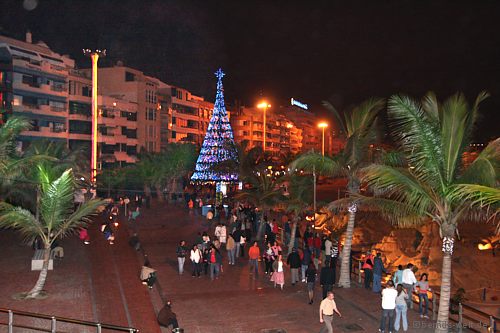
[(57, 218), (264, 192), (359, 128), (11, 161), (300, 198), (434, 185)]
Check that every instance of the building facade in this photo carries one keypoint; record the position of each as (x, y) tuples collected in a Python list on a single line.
[(35, 86), (134, 86), (282, 135)]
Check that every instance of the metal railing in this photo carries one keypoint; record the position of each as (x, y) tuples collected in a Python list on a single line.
[(54, 320), (474, 319)]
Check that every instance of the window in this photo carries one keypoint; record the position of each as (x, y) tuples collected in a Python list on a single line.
[(72, 87), (18, 100), (80, 108), (129, 77), (173, 134), (57, 106), (150, 114), (86, 91)]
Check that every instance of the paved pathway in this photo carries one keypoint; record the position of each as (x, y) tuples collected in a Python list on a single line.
[(239, 302), (99, 282)]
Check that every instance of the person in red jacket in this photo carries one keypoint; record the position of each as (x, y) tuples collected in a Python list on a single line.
[(316, 247), (368, 268), (253, 258)]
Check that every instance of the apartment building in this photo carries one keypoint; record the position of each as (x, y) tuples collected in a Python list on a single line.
[(34, 85), (308, 123), (190, 115), (282, 135), (134, 86), (117, 123)]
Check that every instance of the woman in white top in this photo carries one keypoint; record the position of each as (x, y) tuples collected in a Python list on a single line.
[(196, 260), (278, 274)]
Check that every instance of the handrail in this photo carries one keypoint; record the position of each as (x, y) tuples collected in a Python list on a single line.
[(99, 326)]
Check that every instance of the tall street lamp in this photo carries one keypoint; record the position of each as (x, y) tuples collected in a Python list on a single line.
[(264, 105), (323, 125), (94, 55)]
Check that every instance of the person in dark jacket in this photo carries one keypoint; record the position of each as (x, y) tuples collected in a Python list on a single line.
[(306, 260), (311, 278), (378, 269), (166, 317), (326, 279), (293, 261)]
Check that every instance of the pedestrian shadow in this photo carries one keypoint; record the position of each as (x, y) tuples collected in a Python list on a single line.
[(172, 263)]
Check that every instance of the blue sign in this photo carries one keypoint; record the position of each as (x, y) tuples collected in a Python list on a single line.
[(299, 104)]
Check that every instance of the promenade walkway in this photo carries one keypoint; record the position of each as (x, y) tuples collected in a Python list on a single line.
[(99, 282)]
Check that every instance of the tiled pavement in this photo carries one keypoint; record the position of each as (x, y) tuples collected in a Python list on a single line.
[(99, 282)]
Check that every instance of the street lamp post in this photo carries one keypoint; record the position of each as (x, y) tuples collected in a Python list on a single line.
[(323, 125), (264, 105), (94, 56)]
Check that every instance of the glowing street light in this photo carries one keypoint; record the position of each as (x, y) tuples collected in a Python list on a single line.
[(94, 55), (264, 105), (323, 125)]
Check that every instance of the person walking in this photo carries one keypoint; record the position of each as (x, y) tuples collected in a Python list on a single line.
[(253, 258), (278, 274), (409, 282), (389, 295), (231, 249), (401, 308), (368, 267), (293, 261), (311, 279), (215, 260), (237, 236), (326, 279), (181, 255), (326, 310), (423, 287), (269, 258), (328, 249), (306, 260), (378, 269), (334, 256), (196, 259), (397, 277)]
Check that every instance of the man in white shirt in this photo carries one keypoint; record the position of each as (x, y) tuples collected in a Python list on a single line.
[(326, 310), (389, 295), (408, 280)]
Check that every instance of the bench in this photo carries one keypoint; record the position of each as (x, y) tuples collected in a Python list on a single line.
[(37, 261)]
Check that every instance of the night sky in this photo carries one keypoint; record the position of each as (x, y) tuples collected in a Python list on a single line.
[(341, 51)]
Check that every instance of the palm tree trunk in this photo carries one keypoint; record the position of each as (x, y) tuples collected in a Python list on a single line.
[(159, 193), (40, 283), (345, 277), (444, 298), (292, 234)]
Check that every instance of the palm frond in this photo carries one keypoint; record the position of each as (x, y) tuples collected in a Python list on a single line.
[(79, 218), (477, 195), (20, 219), (431, 106), (418, 138), (485, 170), (56, 201), (400, 185), (340, 122), (454, 120), (322, 165)]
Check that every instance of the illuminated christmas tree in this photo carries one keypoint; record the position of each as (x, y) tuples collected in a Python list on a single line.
[(218, 146)]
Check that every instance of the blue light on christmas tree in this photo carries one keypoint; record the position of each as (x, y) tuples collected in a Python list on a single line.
[(218, 146)]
